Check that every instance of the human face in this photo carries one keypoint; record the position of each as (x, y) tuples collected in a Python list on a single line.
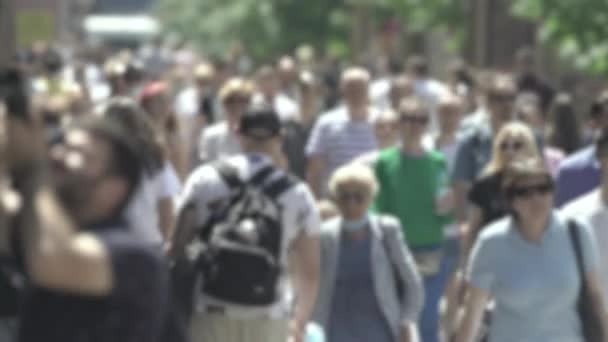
[(80, 166), (532, 198), (235, 106), (355, 93), (353, 200), (511, 147), (413, 125), (501, 105), (386, 132), (449, 117)]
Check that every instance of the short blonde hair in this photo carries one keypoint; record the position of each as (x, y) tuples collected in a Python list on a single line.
[(354, 173), (235, 87)]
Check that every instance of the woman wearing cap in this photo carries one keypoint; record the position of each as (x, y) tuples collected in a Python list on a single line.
[(369, 289), (527, 263)]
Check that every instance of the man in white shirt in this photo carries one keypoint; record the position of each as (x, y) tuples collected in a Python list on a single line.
[(593, 207), (206, 189), (221, 140), (344, 134)]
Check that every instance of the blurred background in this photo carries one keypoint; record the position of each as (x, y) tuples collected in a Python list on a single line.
[(568, 37)]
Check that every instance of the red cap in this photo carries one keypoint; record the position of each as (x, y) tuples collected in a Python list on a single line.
[(153, 89)]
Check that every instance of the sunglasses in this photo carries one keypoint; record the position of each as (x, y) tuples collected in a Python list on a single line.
[(511, 146), (237, 100), (355, 197), (501, 98), (415, 119), (531, 190)]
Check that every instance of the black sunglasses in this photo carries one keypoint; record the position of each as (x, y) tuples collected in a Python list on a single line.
[(529, 191), (513, 146), (417, 119), (501, 98), (357, 197)]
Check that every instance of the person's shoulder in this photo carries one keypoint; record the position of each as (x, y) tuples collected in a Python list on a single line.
[(437, 157), (580, 159), (388, 222), (581, 205), (216, 130), (332, 116), (496, 231), (388, 154)]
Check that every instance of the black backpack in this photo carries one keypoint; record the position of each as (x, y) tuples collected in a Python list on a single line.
[(242, 239)]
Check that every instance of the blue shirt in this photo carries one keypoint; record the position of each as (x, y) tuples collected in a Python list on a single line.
[(577, 175), (535, 285), (355, 314)]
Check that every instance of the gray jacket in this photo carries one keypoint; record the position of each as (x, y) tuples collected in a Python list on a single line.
[(391, 260)]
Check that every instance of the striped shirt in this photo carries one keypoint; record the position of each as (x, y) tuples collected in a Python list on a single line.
[(339, 140)]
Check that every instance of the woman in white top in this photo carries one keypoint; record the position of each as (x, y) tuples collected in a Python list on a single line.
[(150, 212)]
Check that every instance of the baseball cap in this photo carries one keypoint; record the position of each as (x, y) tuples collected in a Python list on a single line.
[(260, 123)]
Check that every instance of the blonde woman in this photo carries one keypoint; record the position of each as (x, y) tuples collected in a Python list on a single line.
[(514, 140), (369, 288)]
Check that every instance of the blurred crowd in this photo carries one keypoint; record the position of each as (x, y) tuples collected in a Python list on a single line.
[(412, 208)]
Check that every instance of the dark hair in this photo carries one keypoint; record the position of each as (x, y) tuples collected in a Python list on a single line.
[(131, 117), (418, 65), (125, 159), (598, 106), (52, 61), (522, 168), (601, 144), (461, 73), (564, 132)]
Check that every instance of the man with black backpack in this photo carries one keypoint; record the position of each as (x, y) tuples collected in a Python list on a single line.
[(251, 232)]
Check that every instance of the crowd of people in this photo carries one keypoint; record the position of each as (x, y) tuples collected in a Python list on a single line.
[(156, 195)]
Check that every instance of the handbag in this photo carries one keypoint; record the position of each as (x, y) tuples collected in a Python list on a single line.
[(591, 321)]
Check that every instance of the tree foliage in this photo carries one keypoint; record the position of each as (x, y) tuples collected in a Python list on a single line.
[(577, 28), (273, 26), (265, 27)]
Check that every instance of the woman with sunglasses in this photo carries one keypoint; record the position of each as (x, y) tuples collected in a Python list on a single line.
[(514, 140), (369, 288), (528, 264)]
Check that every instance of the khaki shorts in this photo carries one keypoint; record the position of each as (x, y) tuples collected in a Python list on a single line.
[(211, 327)]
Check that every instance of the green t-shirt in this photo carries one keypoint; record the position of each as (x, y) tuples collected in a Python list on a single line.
[(408, 188)]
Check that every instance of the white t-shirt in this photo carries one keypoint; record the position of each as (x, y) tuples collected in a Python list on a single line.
[(142, 213), (217, 141), (300, 215), (285, 106), (592, 209)]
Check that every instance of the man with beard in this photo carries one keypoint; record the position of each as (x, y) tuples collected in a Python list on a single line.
[(90, 278)]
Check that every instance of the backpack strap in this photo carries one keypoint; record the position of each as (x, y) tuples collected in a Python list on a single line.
[(280, 186), (259, 178), (229, 174)]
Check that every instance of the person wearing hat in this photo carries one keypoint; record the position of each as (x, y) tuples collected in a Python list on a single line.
[(207, 189), (221, 139)]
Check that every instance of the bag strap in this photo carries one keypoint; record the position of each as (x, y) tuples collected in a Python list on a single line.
[(576, 244), (280, 186), (229, 174), (398, 283)]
